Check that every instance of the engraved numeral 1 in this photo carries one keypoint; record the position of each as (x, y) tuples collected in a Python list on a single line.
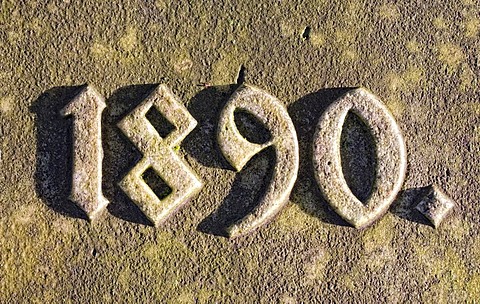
[(238, 151), (158, 154), (390, 153), (86, 109)]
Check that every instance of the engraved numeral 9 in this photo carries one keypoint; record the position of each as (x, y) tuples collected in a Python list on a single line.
[(238, 151)]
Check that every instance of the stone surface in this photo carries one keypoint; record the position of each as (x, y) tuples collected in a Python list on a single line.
[(420, 58)]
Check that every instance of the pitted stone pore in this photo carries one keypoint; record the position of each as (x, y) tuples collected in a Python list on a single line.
[(158, 154), (435, 206), (238, 151), (391, 155), (86, 109)]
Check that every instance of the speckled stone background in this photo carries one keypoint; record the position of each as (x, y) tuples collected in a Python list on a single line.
[(422, 58)]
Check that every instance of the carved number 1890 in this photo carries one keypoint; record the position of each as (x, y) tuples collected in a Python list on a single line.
[(159, 154)]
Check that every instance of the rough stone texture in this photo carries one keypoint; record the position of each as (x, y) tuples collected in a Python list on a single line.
[(420, 58)]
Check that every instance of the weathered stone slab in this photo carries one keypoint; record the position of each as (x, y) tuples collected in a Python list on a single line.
[(421, 60)]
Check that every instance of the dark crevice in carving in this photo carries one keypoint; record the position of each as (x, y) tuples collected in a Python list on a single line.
[(156, 183), (247, 190), (159, 122), (358, 153), (306, 33), (53, 174), (251, 128)]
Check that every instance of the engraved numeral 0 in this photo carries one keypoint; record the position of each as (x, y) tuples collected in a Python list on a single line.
[(238, 151), (390, 152)]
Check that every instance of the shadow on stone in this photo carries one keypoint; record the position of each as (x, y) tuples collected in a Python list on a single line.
[(53, 174), (359, 157), (248, 188), (120, 154), (201, 143), (305, 114), (405, 203)]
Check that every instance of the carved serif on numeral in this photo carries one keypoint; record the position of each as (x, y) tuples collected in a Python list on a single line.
[(391, 155), (238, 151), (86, 109), (159, 154)]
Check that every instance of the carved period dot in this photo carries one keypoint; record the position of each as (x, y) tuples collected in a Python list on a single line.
[(435, 206)]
